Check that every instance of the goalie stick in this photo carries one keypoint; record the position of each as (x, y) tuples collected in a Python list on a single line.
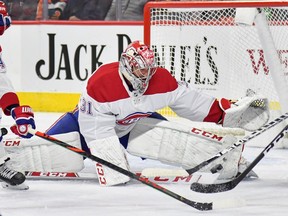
[(226, 186), (88, 176), (39, 175), (202, 206), (239, 143)]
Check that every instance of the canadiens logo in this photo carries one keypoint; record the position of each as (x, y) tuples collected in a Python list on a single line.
[(132, 118)]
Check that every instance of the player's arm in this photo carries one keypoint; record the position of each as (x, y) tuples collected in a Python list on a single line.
[(249, 112), (9, 102)]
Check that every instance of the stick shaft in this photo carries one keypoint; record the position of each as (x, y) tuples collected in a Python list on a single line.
[(197, 205), (226, 186), (239, 143), (160, 178)]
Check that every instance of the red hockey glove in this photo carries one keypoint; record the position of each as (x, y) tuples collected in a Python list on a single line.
[(5, 19), (24, 118)]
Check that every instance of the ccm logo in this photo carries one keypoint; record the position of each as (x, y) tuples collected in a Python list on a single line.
[(12, 142), (206, 134), (100, 171)]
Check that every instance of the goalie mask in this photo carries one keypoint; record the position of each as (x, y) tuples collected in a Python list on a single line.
[(137, 64)]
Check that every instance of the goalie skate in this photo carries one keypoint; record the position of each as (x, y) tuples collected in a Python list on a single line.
[(10, 176)]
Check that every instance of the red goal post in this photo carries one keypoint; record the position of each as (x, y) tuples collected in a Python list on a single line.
[(201, 4)]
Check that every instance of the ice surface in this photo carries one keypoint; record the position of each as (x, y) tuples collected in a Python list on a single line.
[(265, 196)]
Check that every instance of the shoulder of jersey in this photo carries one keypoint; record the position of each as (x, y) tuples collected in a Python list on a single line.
[(161, 82), (105, 84)]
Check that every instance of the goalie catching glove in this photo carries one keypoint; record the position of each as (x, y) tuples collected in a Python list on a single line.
[(248, 113)]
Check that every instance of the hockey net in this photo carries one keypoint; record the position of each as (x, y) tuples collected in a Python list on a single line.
[(223, 48)]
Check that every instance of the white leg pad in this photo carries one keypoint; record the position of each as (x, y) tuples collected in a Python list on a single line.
[(111, 150), (36, 154), (173, 144)]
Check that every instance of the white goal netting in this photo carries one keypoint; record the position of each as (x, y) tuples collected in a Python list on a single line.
[(223, 48)]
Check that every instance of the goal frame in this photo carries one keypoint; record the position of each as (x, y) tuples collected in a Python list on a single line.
[(201, 4), (149, 23)]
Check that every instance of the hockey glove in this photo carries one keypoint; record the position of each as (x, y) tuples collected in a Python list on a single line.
[(5, 20), (248, 113), (24, 118)]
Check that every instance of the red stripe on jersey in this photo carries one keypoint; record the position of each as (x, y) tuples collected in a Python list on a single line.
[(105, 85), (215, 113), (8, 99), (161, 82)]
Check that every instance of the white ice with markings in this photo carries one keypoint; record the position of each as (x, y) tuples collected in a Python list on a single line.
[(266, 196)]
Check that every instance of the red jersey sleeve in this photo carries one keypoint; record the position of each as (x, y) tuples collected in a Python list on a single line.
[(7, 100)]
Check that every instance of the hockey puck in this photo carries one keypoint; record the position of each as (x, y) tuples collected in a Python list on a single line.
[(216, 168), (4, 131)]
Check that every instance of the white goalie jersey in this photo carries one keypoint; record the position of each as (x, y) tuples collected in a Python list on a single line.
[(108, 109)]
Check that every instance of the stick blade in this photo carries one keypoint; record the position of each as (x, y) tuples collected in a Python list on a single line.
[(203, 206), (212, 188)]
